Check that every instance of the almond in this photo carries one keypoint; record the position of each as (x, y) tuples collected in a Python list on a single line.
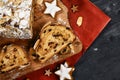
[(79, 21)]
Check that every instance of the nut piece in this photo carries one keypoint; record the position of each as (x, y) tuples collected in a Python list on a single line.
[(39, 1), (79, 21)]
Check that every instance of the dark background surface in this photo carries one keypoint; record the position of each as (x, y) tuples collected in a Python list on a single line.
[(102, 60)]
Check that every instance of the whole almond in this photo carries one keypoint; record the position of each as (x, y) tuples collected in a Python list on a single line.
[(79, 21)]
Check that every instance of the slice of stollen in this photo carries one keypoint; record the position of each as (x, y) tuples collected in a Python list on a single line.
[(52, 40), (11, 57)]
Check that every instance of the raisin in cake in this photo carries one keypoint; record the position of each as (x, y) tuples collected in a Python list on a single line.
[(16, 18), (11, 57), (52, 40)]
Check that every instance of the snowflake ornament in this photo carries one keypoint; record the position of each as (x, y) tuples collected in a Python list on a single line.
[(51, 8)]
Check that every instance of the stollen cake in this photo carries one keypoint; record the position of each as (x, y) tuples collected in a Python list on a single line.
[(11, 57), (16, 18), (52, 40)]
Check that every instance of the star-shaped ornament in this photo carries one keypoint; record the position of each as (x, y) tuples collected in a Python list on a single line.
[(64, 72), (74, 8), (48, 72), (51, 8)]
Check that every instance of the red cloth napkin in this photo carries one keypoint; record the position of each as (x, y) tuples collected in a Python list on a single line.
[(94, 21)]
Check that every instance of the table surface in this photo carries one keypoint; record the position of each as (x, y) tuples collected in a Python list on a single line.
[(102, 60)]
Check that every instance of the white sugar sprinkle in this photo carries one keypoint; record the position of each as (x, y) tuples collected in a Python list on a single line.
[(95, 49)]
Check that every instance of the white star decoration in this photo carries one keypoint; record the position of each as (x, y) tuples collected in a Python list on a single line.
[(64, 72), (51, 8)]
